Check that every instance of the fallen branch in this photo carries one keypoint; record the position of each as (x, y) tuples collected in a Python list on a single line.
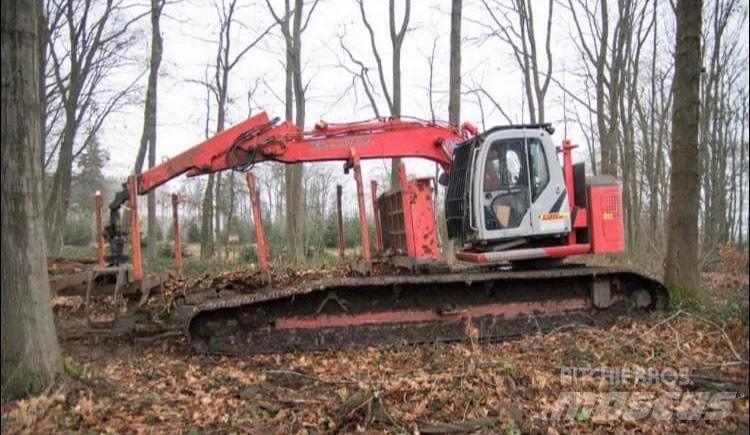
[(566, 326), (306, 376), (459, 426), (739, 360), (363, 408), (157, 337), (698, 383), (661, 322), (723, 333)]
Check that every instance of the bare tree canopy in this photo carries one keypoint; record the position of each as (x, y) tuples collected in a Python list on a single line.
[(292, 24), (521, 37), (86, 41), (392, 94), (217, 87), (148, 136)]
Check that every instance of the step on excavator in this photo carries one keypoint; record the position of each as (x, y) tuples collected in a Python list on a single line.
[(514, 210)]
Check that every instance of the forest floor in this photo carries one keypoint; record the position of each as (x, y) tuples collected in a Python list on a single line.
[(680, 370)]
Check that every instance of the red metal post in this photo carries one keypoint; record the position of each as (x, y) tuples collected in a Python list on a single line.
[(99, 231), (376, 215), (406, 193), (422, 217), (260, 234), (176, 235), (340, 216), (567, 150), (363, 230), (135, 230)]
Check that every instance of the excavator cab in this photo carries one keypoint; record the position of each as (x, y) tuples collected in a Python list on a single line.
[(507, 188)]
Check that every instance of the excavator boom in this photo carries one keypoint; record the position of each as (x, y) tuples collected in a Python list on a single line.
[(259, 138)]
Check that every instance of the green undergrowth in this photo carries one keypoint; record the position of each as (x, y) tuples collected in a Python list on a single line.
[(721, 306), (80, 253), (197, 267)]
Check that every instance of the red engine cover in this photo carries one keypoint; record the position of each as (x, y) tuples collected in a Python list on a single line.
[(605, 217)]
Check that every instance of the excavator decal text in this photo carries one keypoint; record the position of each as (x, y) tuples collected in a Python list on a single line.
[(553, 216), (342, 142)]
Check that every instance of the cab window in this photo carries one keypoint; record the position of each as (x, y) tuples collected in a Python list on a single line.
[(539, 169), (505, 167), (506, 184)]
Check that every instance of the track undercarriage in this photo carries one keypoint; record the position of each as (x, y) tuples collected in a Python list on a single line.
[(401, 309)]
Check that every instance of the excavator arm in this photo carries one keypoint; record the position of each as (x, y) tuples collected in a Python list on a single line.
[(259, 138)]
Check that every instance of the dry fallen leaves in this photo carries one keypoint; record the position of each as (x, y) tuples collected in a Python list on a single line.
[(162, 387)]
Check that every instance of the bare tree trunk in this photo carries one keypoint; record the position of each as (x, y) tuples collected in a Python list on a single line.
[(218, 203), (652, 167), (454, 86), (631, 37), (43, 39), (222, 85), (397, 40), (684, 196), (207, 203), (56, 208), (290, 175), (297, 199), (517, 30), (207, 229), (292, 24), (743, 167), (605, 141), (31, 356), (219, 88), (230, 208), (454, 108), (148, 136)]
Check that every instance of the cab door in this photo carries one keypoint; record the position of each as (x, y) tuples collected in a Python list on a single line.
[(503, 196), (549, 203)]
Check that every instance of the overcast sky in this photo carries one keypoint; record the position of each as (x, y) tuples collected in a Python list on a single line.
[(190, 30)]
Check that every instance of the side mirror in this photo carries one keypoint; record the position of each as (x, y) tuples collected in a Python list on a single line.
[(443, 179)]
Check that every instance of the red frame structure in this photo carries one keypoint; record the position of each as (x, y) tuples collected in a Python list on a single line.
[(364, 231), (260, 233), (407, 218), (135, 229), (176, 234), (376, 215), (340, 221), (100, 260), (260, 139)]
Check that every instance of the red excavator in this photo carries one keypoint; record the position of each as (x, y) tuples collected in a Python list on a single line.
[(513, 209)]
